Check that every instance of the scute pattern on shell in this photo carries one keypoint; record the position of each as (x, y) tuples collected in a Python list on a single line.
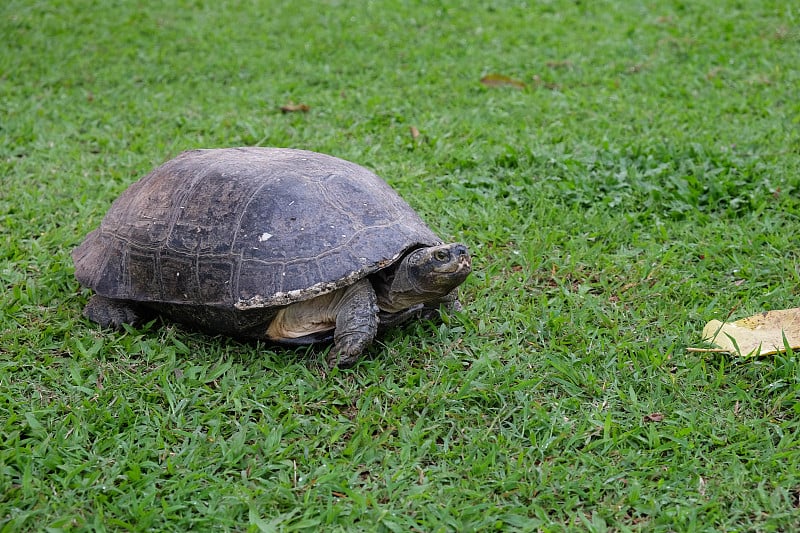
[(249, 228)]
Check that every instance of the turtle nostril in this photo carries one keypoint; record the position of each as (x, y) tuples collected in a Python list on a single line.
[(461, 250)]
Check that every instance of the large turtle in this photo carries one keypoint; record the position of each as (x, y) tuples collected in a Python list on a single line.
[(279, 244)]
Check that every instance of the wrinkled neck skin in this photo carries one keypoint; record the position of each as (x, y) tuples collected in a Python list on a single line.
[(424, 275), (400, 291)]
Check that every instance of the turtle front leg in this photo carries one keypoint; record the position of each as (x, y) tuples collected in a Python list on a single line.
[(449, 302), (110, 313), (356, 324), (428, 311)]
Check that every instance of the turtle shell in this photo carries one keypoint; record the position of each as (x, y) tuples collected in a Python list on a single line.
[(247, 228)]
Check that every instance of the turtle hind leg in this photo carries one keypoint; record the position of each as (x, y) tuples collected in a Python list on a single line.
[(110, 313)]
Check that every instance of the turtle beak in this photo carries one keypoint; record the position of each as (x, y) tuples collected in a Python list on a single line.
[(463, 259)]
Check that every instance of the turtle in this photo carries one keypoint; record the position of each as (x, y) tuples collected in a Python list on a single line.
[(277, 244)]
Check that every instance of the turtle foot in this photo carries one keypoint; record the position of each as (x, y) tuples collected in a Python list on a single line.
[(111, 313), (347, 351)]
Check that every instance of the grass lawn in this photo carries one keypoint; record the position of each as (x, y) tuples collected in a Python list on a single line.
[(644, 180)]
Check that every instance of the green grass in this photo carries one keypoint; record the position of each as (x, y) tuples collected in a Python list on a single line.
[(646, 180)]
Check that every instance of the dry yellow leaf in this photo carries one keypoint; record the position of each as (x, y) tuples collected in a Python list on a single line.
[(291, 107), (761, 334), (500, 80)]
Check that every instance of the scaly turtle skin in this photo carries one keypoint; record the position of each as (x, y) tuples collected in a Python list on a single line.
[(285, 245)]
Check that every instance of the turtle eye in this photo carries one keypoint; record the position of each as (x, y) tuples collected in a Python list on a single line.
[(441, 255)]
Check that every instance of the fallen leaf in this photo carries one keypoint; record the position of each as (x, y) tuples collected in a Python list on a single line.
[(559, 64), (291, 107), (414, 132), (762, 334), (500, 80), (654, 417)]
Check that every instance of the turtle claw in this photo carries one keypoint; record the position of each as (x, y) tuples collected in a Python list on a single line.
[(337, 359), (347, 351)]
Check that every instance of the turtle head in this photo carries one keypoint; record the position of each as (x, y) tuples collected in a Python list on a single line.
[(437, 269), (425, 275)]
